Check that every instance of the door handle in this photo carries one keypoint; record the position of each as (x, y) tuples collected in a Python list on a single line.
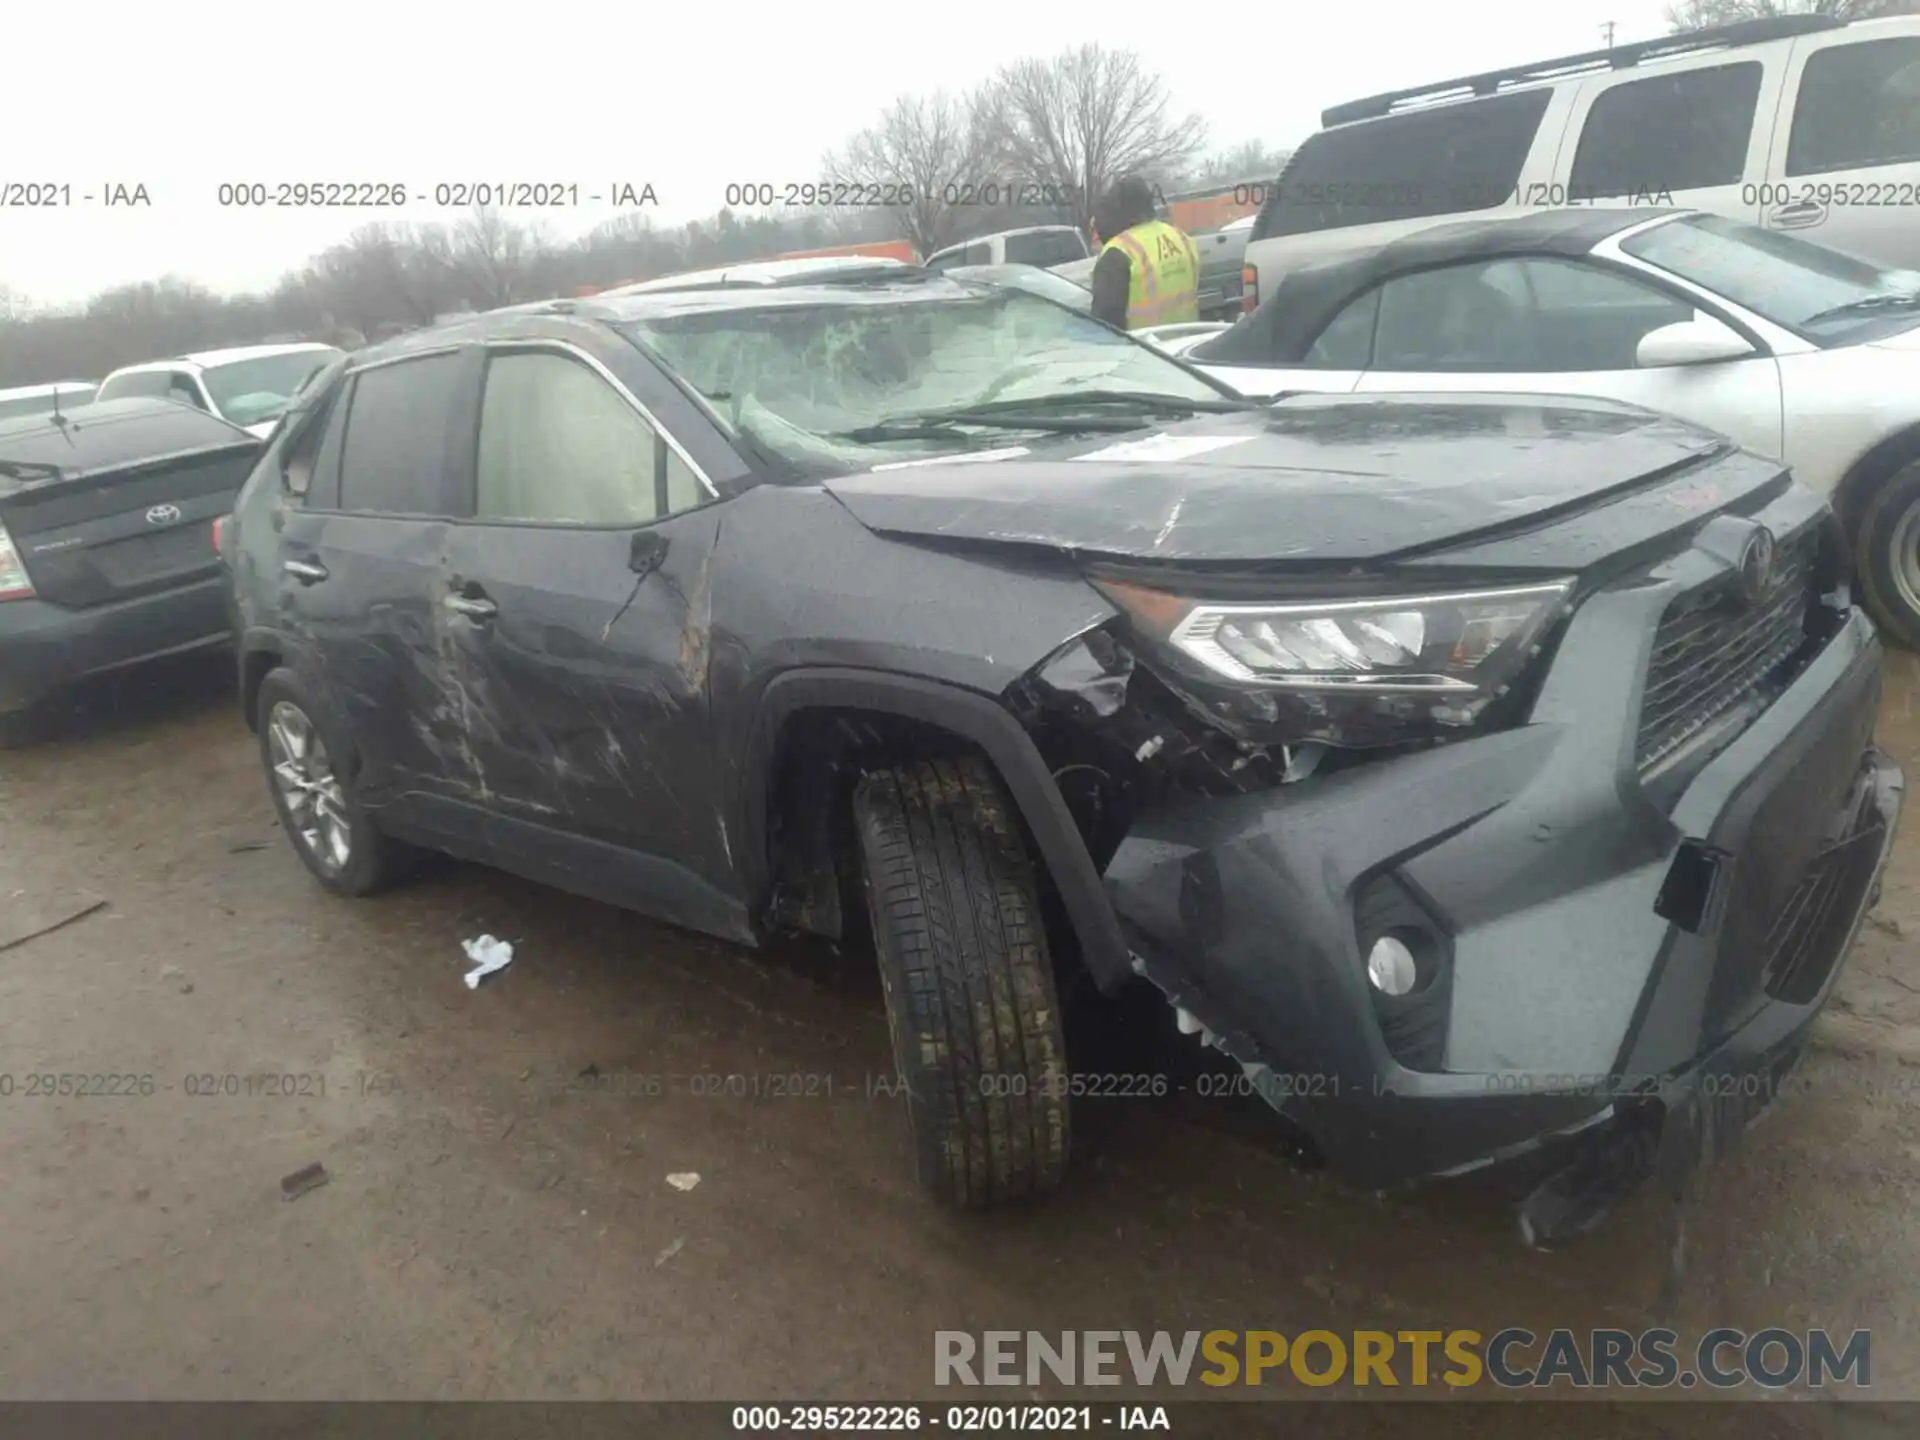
[(305, 571), (471, 608), (1800, 212)]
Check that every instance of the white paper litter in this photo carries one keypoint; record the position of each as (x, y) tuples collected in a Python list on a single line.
[(488, 955), (685, 1180)]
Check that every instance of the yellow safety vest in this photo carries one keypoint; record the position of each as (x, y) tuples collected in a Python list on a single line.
[(1165, 288)]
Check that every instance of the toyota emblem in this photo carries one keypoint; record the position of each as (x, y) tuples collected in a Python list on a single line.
[(1756, 566), (163, 515)]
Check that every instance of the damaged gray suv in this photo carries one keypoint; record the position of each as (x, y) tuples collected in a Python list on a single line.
[(1489, 776)]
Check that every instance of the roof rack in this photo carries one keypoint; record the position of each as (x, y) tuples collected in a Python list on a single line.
[(1620, 57)]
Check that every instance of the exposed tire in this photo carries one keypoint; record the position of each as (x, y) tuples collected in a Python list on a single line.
[(969, 983), (314, 796), (1887, 557)]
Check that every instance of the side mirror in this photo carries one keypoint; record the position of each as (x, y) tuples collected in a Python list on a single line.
[(1699, 341), (648, 549)]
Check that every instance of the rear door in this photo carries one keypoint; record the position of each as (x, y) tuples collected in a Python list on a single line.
[(576, 607), (1691, 137), (1558, 326), (1845, 167), (129, 532), (362, 564)]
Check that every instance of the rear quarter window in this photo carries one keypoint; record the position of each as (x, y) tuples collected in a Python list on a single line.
[(394, 455), (1859, 105), (1449, 159)]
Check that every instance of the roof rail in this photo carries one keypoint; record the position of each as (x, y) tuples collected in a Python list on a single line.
[(1620, 57)]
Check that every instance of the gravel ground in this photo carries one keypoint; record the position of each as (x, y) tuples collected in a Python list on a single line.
[(498, 1219)]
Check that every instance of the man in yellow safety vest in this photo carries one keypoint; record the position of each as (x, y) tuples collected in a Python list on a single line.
[(1148, 272)]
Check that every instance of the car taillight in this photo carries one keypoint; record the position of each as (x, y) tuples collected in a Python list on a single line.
[(220, 534), (14, 584), (1249, 289)]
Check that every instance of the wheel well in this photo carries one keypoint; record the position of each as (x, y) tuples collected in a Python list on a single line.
[(259, 665), (1880, 463), (818, 757)]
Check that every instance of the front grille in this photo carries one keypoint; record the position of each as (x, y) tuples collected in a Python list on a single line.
[(1806, 937), (1712, 652)]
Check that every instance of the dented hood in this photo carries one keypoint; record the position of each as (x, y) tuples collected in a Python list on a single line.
[(1326, 477)]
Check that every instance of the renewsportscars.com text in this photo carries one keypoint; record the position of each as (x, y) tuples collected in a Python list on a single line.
[(1513, 1358)]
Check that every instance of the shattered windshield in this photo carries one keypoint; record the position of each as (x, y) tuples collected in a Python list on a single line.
[(901, 371)]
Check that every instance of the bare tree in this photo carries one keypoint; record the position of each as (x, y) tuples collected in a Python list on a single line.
[(935, 148), (1252, 161), (1699, 14), (1078, 122), (493, 254)]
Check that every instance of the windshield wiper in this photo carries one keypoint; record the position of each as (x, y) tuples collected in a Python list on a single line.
[(1148, 400), (1866, 304), (948, 424)]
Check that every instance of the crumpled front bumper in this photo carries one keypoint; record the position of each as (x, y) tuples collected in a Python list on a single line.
[(1573, 1004)]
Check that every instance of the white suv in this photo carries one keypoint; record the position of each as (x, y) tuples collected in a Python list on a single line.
[(248, 386), (1798, 122)]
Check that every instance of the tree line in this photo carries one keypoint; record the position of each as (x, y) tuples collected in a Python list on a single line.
[(1036, 143)]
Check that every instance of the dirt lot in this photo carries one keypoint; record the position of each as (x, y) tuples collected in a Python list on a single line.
[(497, 1226)]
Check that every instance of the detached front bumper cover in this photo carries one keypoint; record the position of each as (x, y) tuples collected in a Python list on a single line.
[(1575, 1015)]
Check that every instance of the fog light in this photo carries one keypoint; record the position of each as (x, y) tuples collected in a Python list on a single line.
[(1390, 966)]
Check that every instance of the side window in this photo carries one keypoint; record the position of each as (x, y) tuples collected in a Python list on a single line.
[(152, 383), (1858, 105), (978, 253), (1043, 248), (946, 260), (312, 465), (393, 458), (1586, 318), (181, 387), (559, 444), (1347, 342), (1444, 160), (1668, 132), (1461, 317)]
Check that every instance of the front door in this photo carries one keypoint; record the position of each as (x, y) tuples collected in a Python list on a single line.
[(576, 603)]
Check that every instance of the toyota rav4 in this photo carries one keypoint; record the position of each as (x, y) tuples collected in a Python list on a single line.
[(1485, 775)]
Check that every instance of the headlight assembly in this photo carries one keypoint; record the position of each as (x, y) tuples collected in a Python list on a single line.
[(1440, 657)]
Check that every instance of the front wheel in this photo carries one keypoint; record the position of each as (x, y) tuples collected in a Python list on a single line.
[(1887, 556), (968, 979)]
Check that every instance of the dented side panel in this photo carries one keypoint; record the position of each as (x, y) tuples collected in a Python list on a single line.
[(369, 631), (585, 696)]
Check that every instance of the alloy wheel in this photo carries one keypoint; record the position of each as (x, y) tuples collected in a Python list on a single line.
[(303, 774), (1903, 556)]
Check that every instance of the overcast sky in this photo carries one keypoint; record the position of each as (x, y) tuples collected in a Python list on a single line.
[(685, 98)]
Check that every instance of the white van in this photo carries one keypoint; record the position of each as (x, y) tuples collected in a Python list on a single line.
[(1797, 122), (1042, 245)]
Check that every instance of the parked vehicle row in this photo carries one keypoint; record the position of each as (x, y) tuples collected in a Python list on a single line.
[(1424, 751), (1790, 348), (106, 553), (248, 385), (44, 399), (1802, 123)]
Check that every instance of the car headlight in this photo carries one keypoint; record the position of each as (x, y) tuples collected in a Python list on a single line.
[(1444, 657)]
